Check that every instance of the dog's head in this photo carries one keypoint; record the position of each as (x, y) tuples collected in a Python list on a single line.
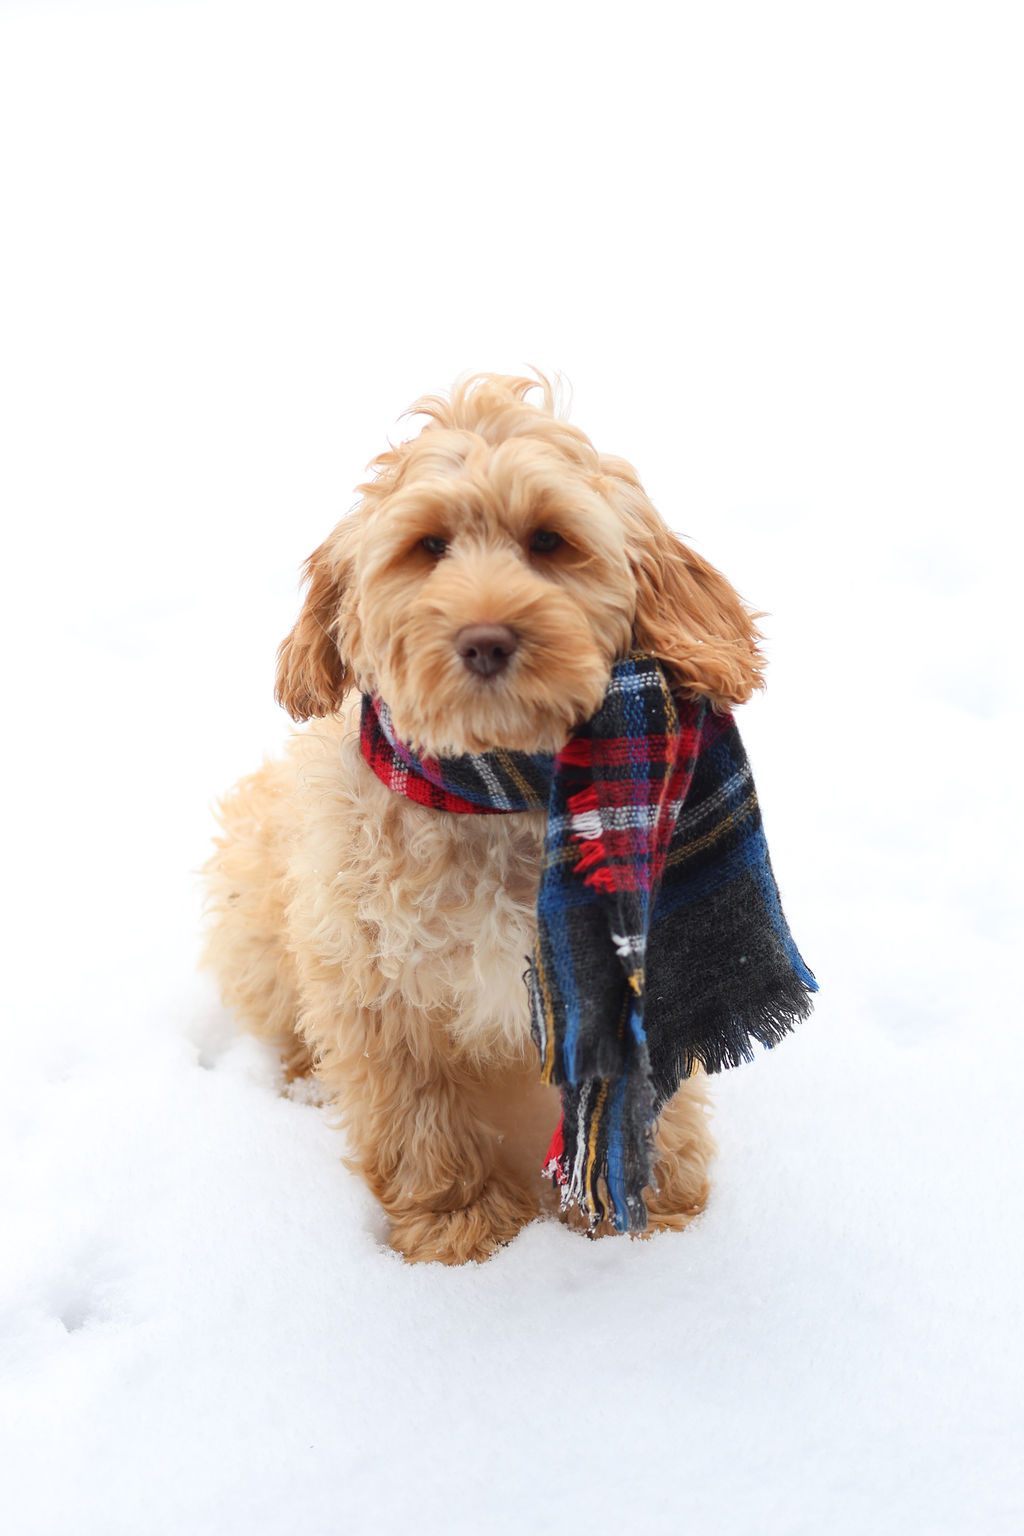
[(494, 570)]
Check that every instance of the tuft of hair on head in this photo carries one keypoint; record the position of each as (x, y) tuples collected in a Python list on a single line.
[(487, 409), (482, 402)]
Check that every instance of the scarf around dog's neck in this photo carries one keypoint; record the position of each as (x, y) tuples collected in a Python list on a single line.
[(661, 942)]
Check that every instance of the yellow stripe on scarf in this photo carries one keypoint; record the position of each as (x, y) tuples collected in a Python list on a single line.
[(721, 829), (506, 762), (595, 1121), (548, 1066)]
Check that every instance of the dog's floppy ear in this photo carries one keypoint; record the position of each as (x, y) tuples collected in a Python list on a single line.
[(312, 673), (687, 614)]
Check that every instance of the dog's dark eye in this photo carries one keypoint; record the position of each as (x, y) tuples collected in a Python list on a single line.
[(544, 541), (434, 545)]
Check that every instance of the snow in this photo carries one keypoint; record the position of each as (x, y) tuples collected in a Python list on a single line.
[(777, 251)]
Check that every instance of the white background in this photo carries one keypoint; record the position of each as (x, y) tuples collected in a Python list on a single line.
[(776, 249)]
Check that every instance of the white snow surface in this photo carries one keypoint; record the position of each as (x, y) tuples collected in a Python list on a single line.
[(777, 251)]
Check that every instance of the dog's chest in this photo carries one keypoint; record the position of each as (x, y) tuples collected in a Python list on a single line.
[(463, 920), (431, 909), (417, 908)]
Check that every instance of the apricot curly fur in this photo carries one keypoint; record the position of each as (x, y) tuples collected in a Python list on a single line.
[(383, 945)]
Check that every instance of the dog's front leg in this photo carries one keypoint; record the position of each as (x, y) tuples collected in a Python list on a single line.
[(429, 1159)]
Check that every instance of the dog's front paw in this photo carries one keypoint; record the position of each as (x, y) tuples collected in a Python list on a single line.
[(468, 1235), (677, 1202)]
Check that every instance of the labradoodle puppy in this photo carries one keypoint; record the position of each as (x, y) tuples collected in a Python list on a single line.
[(495, 569)]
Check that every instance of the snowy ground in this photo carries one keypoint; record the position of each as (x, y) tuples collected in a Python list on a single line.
[(777, 250)]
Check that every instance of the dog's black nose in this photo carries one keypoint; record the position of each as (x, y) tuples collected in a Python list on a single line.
[(486, 648)]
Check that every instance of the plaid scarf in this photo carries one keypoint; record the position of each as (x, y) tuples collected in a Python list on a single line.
[(661, 942)]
